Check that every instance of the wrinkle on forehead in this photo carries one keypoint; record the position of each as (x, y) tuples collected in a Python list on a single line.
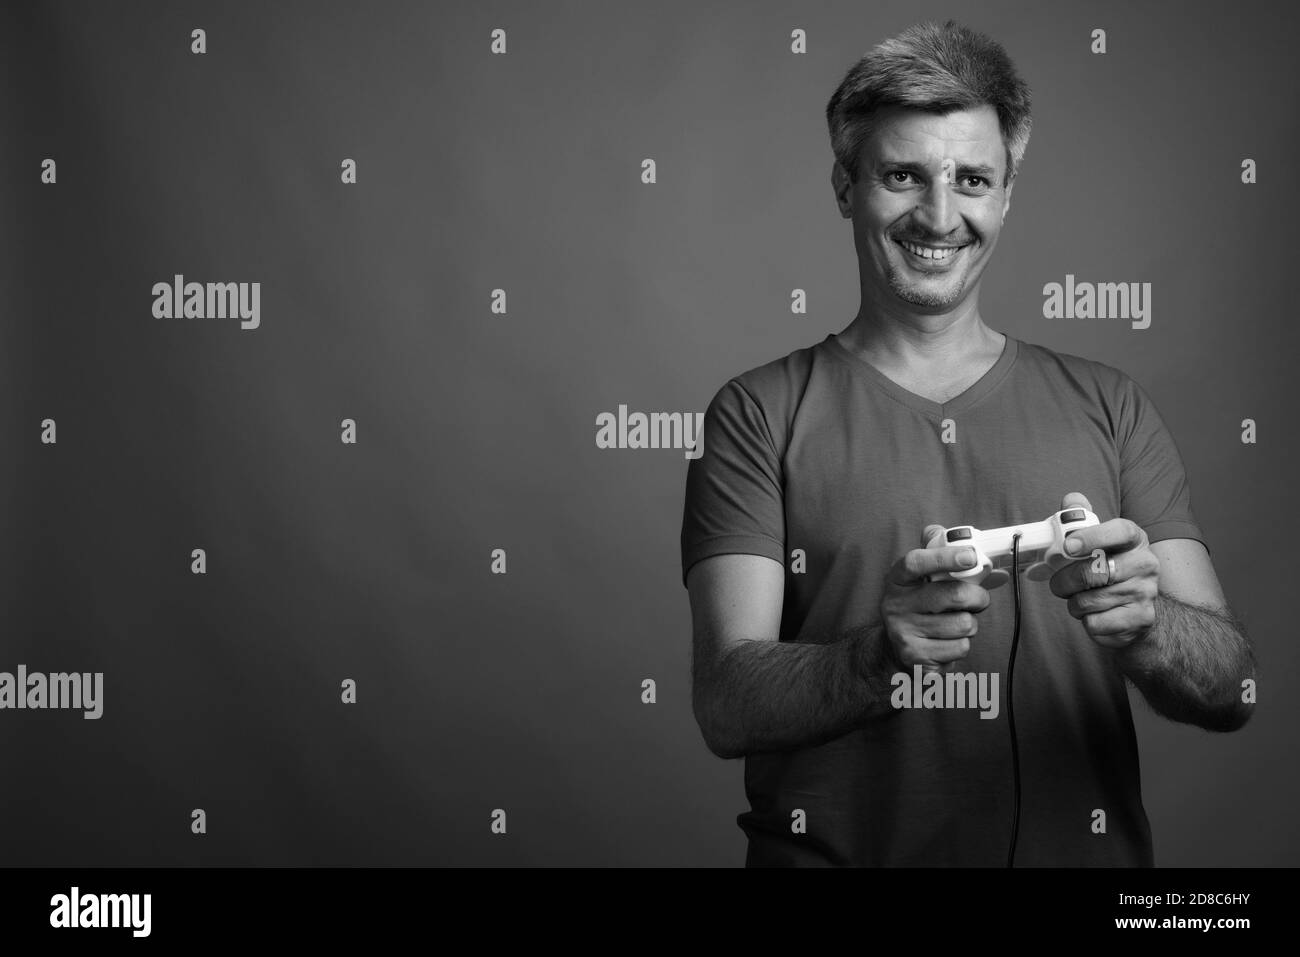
[(965, 136)]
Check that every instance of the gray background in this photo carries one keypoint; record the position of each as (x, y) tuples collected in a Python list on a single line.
[(477, 431)]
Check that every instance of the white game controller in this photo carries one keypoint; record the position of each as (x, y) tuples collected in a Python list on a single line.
[(1042, 548)]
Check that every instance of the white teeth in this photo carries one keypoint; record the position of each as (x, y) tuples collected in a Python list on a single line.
[(930, 252)]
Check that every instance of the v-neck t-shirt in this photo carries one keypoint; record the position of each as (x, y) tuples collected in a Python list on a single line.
[(822, 463)]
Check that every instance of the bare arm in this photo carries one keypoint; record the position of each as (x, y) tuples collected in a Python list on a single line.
[(1163, 614), (752, 692), (1192, 662)]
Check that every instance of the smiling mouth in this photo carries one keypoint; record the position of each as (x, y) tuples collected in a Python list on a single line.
[(931, 253)]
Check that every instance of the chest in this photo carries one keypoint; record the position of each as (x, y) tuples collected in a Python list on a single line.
[(939, 389), (940, 385), (865, 478)]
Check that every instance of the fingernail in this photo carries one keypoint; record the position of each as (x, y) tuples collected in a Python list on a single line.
[(966, 556), (1073, 546)]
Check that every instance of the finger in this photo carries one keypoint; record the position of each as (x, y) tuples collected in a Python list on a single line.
[(939, 597), (1093, 573), (928, 651), (1117, 535), (920, 563), (1075, 500), (1124, 620), (1084, 575), (930, 532), (1094, 601), (944, 627)]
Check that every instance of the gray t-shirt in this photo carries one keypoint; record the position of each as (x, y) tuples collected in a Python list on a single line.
[(821, 452)]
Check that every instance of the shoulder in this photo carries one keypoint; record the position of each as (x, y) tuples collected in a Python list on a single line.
[(776, 387), (775, 381), (764, 399), (1113, 395), (1089, 377)]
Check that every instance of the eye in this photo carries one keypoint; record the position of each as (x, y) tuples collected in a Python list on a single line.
[(898, 177), (975, 184)]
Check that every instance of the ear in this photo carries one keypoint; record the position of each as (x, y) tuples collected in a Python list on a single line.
[(1006, 198), (843, 190)]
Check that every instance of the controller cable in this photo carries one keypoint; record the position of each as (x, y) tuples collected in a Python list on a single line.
[(1011, 711)]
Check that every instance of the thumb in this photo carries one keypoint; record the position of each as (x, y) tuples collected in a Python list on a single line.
[(929, 533), (1076, 500)]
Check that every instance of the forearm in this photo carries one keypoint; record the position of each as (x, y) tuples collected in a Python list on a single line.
[(772, 696), (1191, 665)]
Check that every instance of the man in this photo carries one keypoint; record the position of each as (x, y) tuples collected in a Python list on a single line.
[(826, 471)]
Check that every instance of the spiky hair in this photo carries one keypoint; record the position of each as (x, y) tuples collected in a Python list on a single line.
[(933, 68)]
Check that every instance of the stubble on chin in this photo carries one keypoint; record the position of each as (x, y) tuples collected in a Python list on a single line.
[(910, 293)]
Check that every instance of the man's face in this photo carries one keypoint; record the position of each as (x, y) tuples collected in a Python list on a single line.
[(928, 204)]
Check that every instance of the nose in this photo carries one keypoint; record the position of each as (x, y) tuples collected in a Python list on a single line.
[(936, 211)]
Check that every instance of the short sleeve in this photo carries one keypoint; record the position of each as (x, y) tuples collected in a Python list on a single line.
[(1153, 483), (734, 490)]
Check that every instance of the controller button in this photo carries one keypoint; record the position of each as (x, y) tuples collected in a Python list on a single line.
[(1073, 515), (959, 534)]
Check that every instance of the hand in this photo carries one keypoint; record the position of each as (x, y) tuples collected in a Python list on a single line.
[(1118, 610), (931, 623)]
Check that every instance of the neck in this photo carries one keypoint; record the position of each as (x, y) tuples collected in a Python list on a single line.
[(897, 338)]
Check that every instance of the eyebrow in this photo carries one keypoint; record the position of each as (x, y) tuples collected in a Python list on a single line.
[(963, 169)]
